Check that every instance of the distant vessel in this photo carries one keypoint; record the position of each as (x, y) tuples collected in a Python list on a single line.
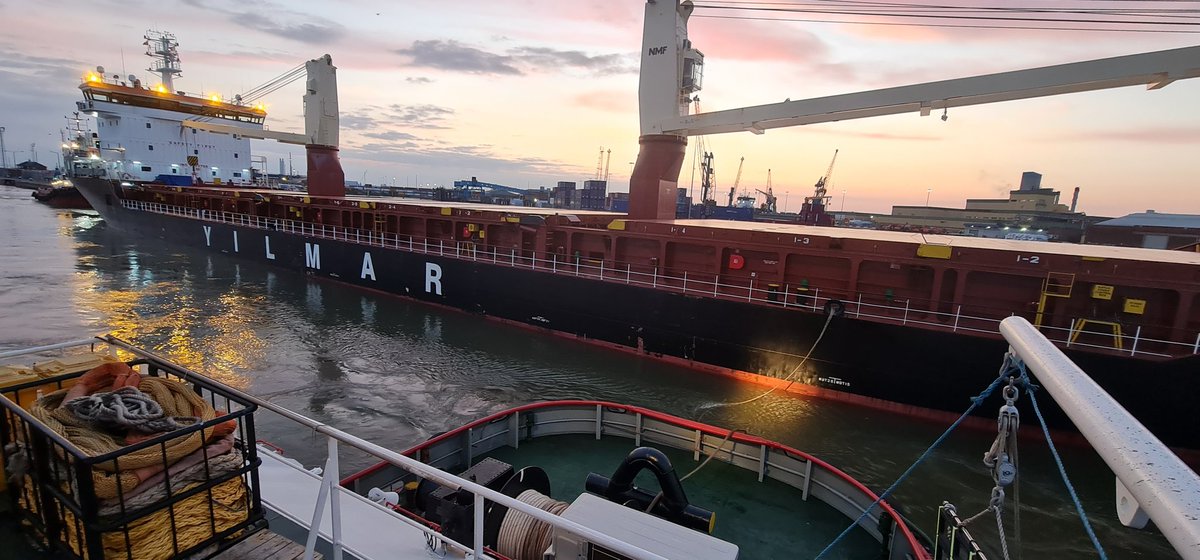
[(901, 318)]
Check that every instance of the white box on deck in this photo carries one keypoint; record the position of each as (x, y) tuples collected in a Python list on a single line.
[(639, 529)]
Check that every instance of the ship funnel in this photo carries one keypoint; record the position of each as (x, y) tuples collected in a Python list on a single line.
[(325, 175), (1075, 199)]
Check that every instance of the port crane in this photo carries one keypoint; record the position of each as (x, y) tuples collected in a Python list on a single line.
[(706, 178), (814, 211), (769, 205), (602, 164), (736, 181)]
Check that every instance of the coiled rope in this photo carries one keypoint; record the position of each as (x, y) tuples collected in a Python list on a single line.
[(975, 401), (176, 399), (1087, 526), (521, 536)]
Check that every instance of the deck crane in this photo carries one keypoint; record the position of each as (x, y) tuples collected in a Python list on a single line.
[(672, 70), (321, 131)]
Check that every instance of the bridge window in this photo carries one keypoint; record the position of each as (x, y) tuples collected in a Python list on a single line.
[(146, 168), (151, 147), (147, 125)]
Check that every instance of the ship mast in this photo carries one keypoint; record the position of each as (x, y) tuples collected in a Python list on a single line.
[(164, 49)]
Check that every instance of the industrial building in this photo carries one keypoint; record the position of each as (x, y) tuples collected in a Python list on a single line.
[(1149, 229)]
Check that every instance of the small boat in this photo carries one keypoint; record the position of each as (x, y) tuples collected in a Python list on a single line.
[(547, 480), (61, 193)]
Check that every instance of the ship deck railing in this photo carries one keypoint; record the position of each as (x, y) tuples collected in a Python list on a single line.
[(860, 305)]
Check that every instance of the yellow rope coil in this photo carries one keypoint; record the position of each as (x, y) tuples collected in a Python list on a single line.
[(176, 399), (150, 537)]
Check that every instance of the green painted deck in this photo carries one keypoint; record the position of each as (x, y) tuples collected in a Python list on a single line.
[(767, 520)]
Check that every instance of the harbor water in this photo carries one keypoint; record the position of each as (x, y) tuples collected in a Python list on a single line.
[(396, 372)]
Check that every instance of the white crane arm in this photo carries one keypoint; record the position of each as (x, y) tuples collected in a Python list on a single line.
[(285, 137), (1154, 69)]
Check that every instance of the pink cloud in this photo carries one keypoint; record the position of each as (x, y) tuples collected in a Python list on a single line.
[(1160, 135), (756, 40), (623, 102)]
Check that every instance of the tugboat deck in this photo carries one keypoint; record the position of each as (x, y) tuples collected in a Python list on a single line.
[(266, 545), (367, 530)]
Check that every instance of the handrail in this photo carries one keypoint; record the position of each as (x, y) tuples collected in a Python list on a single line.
[(46, 348), (1163, 487), (760, 294), (409, 464)]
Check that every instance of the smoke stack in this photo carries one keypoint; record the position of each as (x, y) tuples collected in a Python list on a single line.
[(1075, 199)]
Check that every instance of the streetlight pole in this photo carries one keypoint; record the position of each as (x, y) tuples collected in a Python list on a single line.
[(927, 193), (843, 208), (3, 157)]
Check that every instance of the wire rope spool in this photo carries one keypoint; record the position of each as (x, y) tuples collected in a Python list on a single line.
[(521, 536), (528, 478)]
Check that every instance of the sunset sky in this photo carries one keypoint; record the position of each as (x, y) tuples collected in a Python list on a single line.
[(525, 93)]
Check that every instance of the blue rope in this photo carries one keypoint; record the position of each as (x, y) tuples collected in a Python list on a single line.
[(886, 493), (1087, 526)]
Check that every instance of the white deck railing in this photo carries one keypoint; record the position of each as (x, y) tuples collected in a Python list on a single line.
[(779, 295), (1160, 484)]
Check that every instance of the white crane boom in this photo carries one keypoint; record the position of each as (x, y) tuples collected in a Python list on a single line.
[(1154, 69)]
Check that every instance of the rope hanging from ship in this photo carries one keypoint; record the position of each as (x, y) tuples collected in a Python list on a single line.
[(791, 377)]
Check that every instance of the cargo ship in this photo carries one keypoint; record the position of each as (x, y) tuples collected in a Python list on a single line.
[(901, 321)]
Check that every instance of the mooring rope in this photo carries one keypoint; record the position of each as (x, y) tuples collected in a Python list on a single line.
[(1087, 526), (1001, 458), (790, 377), (925, 455)]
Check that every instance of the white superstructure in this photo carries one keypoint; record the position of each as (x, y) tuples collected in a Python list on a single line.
[(139, 134)]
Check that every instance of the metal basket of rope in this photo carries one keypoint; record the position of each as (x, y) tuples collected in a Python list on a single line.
[(183, 524), (176, 399), (174, 525)]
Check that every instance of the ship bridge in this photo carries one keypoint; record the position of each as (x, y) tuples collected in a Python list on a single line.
[(95, 88)]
